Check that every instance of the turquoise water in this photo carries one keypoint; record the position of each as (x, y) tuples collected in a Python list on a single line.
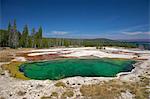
[(58, 69)]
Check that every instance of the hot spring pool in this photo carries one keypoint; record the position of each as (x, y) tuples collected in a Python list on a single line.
[(58, 69)]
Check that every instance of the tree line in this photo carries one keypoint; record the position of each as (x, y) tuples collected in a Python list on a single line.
[(34, 39), (14, 39)]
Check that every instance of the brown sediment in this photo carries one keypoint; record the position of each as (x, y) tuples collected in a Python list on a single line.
[(7, 55), (43, 57), (22, 54), (122, 52)]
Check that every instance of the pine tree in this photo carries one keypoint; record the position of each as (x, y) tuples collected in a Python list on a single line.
[(10, 34), (40, 32), (25, 37), (33, 37), (39, 37), (4, 38), (15, 36)]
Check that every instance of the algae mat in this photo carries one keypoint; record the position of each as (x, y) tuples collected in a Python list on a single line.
[(58, 69)]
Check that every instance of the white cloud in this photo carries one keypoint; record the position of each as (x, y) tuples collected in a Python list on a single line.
[(59, 32), (136, 33), (134, 27)]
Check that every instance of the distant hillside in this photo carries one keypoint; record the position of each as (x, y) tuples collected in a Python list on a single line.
[(96, 39), (88, 42), (137, 40), (141, 43)]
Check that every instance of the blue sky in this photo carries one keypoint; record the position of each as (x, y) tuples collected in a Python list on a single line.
[(115, 19)]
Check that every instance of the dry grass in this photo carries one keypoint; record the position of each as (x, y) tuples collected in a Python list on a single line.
[(2, 97), (13, 69), (7, 55), (68, 93), (60, 84), (1, 72), (140, 89), (54, 94), (113, 89), (21, 93), (46, 97), (108, 90)]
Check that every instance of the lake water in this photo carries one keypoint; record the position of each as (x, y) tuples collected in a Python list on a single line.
[(58, 69)]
